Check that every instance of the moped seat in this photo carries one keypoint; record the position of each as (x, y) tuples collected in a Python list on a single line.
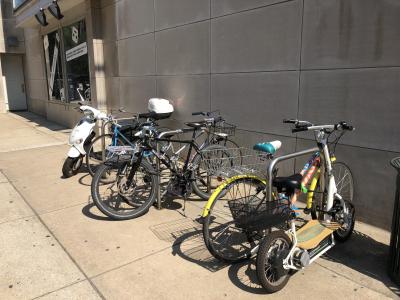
[(288, 184)]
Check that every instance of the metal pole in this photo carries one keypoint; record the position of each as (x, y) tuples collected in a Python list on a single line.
[(158, 178), (273, 163), (103, 141)]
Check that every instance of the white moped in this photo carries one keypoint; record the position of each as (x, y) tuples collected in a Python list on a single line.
[(81, 138)]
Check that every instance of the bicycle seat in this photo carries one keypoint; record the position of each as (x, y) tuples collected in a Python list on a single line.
[(196, 124), (127, 124), (288, 184), (268, 147)]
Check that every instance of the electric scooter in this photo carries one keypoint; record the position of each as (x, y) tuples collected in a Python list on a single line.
[(283, 251), (81, 138)]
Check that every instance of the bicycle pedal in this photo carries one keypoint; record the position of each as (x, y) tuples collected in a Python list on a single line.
[(199, 220), (307, 211)]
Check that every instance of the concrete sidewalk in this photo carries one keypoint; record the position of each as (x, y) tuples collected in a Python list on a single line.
[(55, 244)]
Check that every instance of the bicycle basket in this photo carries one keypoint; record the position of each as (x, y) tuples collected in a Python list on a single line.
[(223, 128), (258, 214), (119, 152), (235, 161)]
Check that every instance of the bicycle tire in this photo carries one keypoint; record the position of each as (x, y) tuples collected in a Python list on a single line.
[(116, 213), (263, 256), (212, 181), (318, 197), (238, 244)]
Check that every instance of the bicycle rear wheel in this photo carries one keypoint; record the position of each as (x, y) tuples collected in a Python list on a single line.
[(94, 156), (224, 237)]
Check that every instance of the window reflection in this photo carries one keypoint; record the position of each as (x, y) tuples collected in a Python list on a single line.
[(52, 48), (67, 63), (77, 61)]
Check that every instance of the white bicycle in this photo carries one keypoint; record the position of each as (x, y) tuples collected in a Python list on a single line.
[(282, 251)]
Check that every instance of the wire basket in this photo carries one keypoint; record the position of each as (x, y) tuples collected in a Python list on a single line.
[(119, 152), (257, 214), (230, 162), (223, 128)]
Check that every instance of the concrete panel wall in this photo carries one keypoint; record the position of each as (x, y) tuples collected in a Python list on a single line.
[(35, 73), (260, 61)]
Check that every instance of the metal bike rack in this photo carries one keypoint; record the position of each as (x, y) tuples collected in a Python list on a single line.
[(158, 165), (274, 162), (158, 179), (103, 140)]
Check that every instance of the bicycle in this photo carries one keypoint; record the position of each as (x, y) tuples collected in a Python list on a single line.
[(133, 187), (218, 133), (219, 130), (122, 132), (245, 194)]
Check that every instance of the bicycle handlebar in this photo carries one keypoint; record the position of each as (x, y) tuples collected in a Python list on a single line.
[(289, 121), (299, 129), (306, 126)]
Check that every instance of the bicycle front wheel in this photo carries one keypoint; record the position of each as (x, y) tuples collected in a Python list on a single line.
[(224, 237), (345, 188), (115, 198)]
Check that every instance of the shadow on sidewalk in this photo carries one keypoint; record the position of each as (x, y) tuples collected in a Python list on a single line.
[(366, 256), (187, 238), (360, 253), (39, 121)]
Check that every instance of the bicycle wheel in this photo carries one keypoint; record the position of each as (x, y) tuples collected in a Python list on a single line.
[(94, 156), (224, 238), (204, 180), (230, 144), (119, 201), (270, 272), (345, 188), (344, 184)]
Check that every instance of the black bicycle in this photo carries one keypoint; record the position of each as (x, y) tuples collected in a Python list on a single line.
[(125, 186)]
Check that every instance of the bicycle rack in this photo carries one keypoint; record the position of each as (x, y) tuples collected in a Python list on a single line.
[(279, 159), (177, 131)]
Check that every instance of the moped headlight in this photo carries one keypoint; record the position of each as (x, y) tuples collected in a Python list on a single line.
[(77, 142)]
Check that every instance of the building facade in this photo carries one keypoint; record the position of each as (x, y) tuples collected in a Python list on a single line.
[(12, 49), (258, 61)]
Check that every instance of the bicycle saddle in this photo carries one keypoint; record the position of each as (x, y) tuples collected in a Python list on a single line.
[(196, 124), (288, 184), (268, 147)]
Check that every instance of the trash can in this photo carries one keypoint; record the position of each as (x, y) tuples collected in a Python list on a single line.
[(394, 254)]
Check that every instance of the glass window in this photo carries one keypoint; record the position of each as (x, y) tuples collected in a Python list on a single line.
[(67, 63), (55, 78), (77, 61), (18, 3)]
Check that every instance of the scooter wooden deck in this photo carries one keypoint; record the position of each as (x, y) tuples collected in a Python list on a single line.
[(310, 235)]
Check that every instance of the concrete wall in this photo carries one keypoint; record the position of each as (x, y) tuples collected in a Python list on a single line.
[(262, 60)]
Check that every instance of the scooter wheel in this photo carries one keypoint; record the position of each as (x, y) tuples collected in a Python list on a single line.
[(271, 253), (71, 166)]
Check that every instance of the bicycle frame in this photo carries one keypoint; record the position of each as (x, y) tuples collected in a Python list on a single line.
[(191, 143)]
